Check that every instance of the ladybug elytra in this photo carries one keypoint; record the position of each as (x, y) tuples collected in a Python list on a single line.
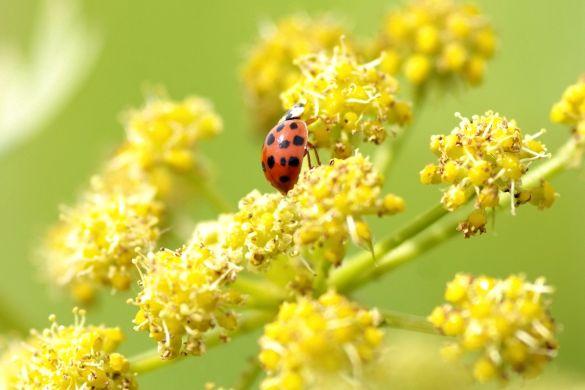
[(284, 148)]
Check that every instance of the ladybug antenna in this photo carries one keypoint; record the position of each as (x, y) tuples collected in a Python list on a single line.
[(294, 113)]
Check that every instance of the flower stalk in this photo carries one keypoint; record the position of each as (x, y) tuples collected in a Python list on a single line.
[(429, 230), (410, 322)]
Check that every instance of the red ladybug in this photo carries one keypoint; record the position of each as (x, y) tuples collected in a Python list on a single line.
[(284, 148)]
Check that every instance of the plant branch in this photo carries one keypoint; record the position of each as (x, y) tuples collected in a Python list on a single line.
[(408, 322), (417, 238)]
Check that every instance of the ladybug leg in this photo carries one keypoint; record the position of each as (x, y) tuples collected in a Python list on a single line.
[(310, 145), (308, 158)]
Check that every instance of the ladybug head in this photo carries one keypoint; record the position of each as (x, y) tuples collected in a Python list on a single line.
[(294, 113)]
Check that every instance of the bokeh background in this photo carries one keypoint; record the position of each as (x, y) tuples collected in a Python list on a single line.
[(196, 47)]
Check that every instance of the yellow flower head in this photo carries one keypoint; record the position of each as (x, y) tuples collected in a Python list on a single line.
[(331, 201), (94, 243), (164, 133), (269, 68), (311, 338), (570, 110), (261, 230), (430, 39), (485, 156), (345, 102), (67, 357), (505, 323), (183, 295)]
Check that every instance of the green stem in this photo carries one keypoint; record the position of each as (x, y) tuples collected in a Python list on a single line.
[(418, 238), (150, 360), (249, 376), (262, 293), (320, 281), (345, 275), (408, 322)]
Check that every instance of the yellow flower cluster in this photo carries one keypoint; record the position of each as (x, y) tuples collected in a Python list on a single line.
[(345, 102), (269, 69), (117, 218), (485, 156), (506, 322), (570, 110), (164, 133), (67, 357), (312, 338), (96, 240), (183, 295), (331, 201), (440, 39)]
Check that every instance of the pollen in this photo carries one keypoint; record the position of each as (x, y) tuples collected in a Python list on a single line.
[(269, 68), (438, 40), (346, 102), (486, 156), (309, 339), (67, 357), (332, 201), (505, 324)]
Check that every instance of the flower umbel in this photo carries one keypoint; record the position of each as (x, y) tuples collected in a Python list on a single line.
[(440, 39), (183, 295), (96, 240), (506, 322), (270, 70), (486, 156), (164, 133), (315, 338), (346, 102), (570, 110), (331, 201), (67, 357)]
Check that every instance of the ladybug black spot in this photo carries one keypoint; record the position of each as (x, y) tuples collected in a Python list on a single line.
[(284, 179), (270, 162), (294, 125), (263, 167), (284, 144), (293, 162), (280, 127), (298, 140), (283, 161), (270, 139)]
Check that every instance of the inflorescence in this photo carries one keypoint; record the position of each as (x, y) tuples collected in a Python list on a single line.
[(118, 217), (486, 156), (67, 357), (437, 39), (504, 323), (570, 110), (312, 338), (346, 102), (270, 69)]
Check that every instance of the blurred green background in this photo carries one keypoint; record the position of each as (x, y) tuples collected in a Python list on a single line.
[(196, 47)]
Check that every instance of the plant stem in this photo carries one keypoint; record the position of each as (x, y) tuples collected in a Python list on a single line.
[(408, 322), (150, 360), (345, 275), (320, 281), (263, 294), (250, 374), (418, 238)]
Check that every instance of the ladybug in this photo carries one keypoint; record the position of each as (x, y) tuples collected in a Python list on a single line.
[(284, 148)]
